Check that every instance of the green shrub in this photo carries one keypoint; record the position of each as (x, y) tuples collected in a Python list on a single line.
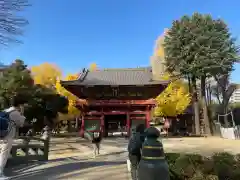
[(221, 166)]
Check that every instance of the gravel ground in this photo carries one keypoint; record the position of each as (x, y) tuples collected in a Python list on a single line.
[(204, 146)]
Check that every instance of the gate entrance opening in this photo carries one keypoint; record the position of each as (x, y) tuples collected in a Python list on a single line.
[(115, 124)]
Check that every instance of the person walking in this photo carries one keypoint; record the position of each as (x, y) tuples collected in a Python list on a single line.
[(134, 148), (10, 120), (96, 141), (166, 125), (178, 127)]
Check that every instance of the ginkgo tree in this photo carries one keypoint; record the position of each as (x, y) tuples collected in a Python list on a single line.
[(73, 111), (93, 67), (46, 74), (173, 100)]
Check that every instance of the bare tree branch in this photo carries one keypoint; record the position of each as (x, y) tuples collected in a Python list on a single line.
[(216, 93), (224, 89), (11, 23)]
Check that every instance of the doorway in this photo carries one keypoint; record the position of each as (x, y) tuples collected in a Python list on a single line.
[(115, 125)]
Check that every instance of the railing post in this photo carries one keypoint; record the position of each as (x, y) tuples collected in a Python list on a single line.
[(46, 138), (26, 141), (28, 136)]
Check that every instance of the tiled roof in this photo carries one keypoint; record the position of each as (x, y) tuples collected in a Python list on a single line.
[(121, 76)]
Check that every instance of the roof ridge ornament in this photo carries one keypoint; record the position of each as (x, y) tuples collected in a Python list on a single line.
[(83, 75)]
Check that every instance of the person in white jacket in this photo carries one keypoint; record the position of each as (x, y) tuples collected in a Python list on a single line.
[(17, 120)]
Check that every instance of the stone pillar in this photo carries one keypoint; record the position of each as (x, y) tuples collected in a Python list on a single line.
[(46, 133), (26, 139), (46, 138)]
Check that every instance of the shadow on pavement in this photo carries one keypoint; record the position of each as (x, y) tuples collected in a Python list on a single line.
[(116, 154), (70, 141), (59, 167)]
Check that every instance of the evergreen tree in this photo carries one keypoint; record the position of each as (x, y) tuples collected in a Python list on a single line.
[(197, 47), (41, 102), (15, 79), (45, 104)]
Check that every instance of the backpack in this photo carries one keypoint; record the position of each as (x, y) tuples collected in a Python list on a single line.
[(4, 124), (96, 135), (134, 145)]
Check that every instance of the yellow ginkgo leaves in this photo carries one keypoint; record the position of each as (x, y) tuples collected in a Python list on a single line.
[(72, 110), (46, 74), (93, 67), (173, 100)]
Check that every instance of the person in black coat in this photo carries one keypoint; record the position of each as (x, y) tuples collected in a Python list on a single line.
[(134, 148), (96, 141)]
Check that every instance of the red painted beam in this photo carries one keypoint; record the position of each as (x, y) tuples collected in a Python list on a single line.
[(114, 112), (122, 102)]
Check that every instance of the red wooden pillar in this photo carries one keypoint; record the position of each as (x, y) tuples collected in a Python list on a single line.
[(102, 124), (148, 117), (128, 123), (82, 127)]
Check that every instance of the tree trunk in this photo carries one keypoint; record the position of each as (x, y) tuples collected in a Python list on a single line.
[(210, 95), (189, 84), (204, 105), (190, 91), (225, 118), (225, 111), (196, 106)]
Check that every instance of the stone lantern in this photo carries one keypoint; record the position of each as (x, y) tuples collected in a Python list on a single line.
[(153, 165)]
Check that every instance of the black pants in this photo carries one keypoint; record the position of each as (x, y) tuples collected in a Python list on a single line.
[(134, 159)]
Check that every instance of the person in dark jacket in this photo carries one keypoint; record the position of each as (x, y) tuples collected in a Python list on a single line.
[(96, 141), (134, 148)]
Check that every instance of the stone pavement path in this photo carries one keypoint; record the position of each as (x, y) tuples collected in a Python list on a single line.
[(70, 158), (73, 169), (68, 147)]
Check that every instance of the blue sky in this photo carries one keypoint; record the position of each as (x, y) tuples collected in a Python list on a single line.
[(112, 33)]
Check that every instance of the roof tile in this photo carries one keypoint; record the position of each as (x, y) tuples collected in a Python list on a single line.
[(122, 76)]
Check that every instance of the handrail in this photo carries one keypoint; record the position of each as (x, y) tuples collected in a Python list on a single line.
[(30, 152), (31, 138)]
